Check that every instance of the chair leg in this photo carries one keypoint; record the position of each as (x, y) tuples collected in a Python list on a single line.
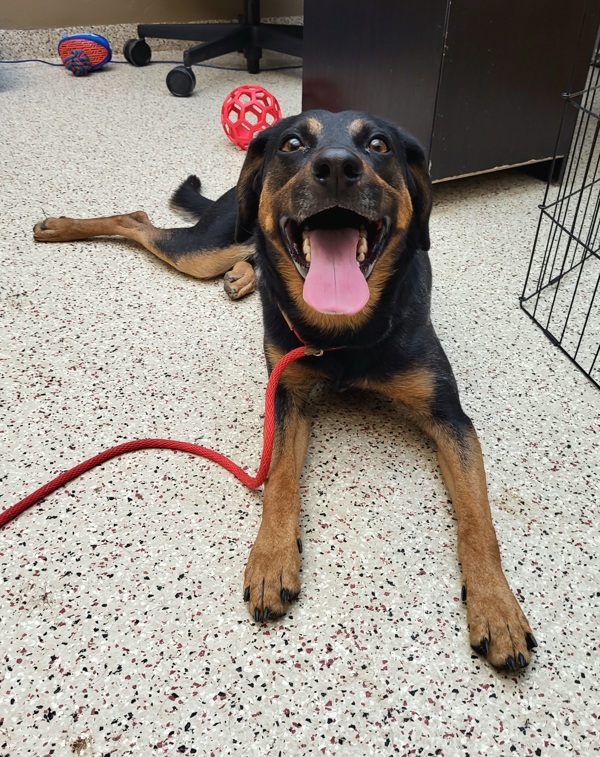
[(237, 40), (281, 38), (187, 32)]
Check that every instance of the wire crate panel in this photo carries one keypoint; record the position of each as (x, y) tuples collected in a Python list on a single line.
[(562, 289)]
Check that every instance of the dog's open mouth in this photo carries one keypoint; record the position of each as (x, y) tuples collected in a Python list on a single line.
[(335, 252)]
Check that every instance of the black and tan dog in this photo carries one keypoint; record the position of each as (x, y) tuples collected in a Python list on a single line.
[(333, 209)]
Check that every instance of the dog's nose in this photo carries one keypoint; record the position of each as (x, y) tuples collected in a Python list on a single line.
[(337, 167)]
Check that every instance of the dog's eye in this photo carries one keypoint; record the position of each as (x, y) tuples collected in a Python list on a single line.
[(291, 144), (378, 144)]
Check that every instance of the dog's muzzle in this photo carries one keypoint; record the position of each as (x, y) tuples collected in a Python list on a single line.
[(335, 251)]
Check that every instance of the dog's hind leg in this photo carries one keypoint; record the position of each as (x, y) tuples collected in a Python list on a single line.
[(240, 280), (186, 249)]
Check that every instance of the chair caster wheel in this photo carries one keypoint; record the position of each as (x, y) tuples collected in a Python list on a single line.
[(137, 52), (181, 81)]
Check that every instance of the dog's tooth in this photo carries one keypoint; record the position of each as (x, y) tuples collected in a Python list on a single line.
[(304, 233), (362, 248), (306, 248)]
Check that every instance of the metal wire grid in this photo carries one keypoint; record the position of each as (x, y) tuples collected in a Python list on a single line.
[(563, 279)]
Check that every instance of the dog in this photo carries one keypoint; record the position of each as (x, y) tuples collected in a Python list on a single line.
[(330, 219)]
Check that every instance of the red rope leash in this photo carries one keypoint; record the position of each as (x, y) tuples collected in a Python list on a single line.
[(252, 482)]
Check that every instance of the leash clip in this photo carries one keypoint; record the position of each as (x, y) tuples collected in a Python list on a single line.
[(313, 351)]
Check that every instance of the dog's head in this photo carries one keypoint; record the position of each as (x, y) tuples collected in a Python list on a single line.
[(338, 198)]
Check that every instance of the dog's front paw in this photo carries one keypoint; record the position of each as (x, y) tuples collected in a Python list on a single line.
[(272, 578), (498, 629), (240, 280), (52, 230)]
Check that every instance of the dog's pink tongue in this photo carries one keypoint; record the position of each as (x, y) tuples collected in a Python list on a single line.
[(334, 282)]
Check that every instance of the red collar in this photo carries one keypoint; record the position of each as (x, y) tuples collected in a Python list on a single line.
[(310, 350)]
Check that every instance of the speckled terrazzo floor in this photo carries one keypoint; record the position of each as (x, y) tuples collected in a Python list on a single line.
[(122, 625)]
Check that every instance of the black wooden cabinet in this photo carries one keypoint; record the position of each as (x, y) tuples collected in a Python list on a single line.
[(479, 83)]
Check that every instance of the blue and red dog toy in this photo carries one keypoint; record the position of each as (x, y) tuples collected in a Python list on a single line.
[(83, 53)]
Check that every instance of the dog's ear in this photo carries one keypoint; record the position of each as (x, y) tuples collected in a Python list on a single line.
[(420, 191), (249, 185)]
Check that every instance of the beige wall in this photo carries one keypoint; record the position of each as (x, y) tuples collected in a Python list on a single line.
[(49, 14)]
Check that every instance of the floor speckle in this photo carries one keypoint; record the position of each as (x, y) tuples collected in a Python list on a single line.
[(122, 624)]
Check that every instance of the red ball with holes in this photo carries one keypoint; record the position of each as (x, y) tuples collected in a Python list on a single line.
[(247, 110)]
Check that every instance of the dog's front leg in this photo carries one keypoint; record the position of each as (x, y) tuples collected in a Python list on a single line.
[(272, 578), (498, 628)]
